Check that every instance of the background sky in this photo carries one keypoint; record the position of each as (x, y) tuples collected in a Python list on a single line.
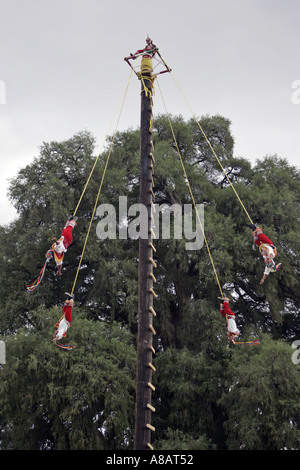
[(62, 71)]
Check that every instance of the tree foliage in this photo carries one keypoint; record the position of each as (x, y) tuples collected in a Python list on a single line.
[(209, 394)]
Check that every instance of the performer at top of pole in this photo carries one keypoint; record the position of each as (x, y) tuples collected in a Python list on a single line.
[(147, 54), (149, 50)]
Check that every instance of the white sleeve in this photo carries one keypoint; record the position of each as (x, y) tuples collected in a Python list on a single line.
[(267, 271), (60, 247), (62, 328)]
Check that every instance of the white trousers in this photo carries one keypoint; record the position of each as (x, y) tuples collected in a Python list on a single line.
[(232, 328), (62, 328)]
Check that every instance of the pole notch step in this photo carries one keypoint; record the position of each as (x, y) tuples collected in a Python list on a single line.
[(151, 191), (152, 277), (150, 407), (152, 247), (151, 156), (153, 293), (151, 366), (152, 428), (151, 386), (152, 262), (152, 232), (152, 311)]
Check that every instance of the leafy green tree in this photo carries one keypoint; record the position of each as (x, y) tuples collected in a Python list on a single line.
[(55, 399), (44, 193), (195, 364), (260, 397)]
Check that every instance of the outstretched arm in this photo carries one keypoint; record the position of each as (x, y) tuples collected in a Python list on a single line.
[(266, 273), (263, 279)]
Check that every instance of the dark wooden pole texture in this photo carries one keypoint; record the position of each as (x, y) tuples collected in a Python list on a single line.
[(146, 294)]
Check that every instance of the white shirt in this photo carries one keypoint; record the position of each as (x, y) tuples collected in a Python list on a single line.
[(60, 247), (267, 270), (267, 251)]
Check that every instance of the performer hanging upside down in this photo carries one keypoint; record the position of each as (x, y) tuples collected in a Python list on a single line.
[(65, 322), (267, 250), (225, 311), (60, 246)]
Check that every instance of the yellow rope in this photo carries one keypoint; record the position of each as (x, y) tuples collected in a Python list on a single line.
[(100, 187), (192, 196), (213, 151), (102, 145)]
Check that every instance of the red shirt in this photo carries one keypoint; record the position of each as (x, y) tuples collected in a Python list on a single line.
[(67, 311), (261, 238), (226, 310), (149, 48)]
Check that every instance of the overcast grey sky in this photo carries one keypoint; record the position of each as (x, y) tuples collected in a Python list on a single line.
[(62, 71)]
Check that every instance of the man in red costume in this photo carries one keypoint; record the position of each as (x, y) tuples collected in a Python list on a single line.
[(225, 311), (267, 250), (60, 246), (65, 322), (148, 52)]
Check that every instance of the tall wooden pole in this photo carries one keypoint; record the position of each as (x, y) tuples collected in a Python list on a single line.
[(145, 368), (146, 294)]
